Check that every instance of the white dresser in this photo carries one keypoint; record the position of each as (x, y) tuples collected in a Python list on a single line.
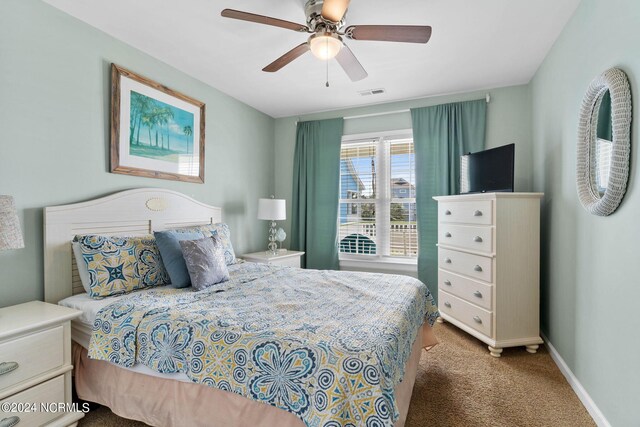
[(35, 365), (489, 267)]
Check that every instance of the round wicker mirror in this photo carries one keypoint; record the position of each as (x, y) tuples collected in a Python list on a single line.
[(604, 133)]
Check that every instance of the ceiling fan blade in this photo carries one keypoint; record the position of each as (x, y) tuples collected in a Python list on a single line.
[(390, 33), (266, 20), (350, 64), (286, 58), (334, 10)]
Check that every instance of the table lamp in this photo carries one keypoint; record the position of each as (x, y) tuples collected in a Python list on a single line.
[(272, 210), (10, 233)]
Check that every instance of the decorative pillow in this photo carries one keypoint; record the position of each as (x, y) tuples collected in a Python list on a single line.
[(222, 232), (117, 265), (205, 262), (168, 243), (83, 272)]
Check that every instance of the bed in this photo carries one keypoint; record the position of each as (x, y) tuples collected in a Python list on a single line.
[(272, 334)]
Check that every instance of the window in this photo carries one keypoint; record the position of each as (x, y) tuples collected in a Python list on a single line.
[(377, 216), (352, 207)]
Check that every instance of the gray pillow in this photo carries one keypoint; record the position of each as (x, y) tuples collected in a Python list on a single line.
[(171, 254), (205, 262)]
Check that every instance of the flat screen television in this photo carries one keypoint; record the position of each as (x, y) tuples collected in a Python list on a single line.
[(488, 171)]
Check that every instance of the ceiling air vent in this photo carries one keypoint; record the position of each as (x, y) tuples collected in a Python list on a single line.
[(372, 92)]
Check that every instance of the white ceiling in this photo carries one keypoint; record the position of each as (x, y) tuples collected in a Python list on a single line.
[(476, 44)]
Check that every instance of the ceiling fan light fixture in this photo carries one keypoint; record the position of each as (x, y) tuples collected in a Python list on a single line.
[(325, 46)]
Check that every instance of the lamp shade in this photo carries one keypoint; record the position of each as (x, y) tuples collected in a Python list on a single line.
[(10, 233), (272, 209)]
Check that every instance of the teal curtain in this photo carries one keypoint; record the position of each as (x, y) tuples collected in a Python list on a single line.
[(316, 186), (441, 134)]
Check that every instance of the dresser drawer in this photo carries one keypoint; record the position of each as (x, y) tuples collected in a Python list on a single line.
[(465, 312), (467, 212), (473, 237), (474, 266), (473, 291), (51, 391), (34, 354)]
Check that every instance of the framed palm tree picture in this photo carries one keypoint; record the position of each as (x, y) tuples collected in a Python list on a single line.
[(156, 132)]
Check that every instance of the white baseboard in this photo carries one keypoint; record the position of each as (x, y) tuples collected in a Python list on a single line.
[(580, 391)]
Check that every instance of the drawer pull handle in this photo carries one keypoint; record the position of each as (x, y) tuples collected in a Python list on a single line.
[(447, 304), (477, 319), (9, 422), (447, 260), (477, 213), (6, 367), (477, 268), (447, 212), (477, 239), (447, 234), (478, 294), (448, 283)]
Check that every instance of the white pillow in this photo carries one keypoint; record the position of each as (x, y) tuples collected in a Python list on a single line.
[(83, 270)]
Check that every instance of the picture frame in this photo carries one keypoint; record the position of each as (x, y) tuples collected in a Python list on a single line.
[(156, 132)]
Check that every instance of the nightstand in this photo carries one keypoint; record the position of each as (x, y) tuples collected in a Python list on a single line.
[(286, 258), (35, 364)]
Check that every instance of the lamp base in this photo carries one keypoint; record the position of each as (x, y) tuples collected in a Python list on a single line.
[(273, 246)]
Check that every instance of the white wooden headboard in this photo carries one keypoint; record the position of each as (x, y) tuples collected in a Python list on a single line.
[(129, 213)]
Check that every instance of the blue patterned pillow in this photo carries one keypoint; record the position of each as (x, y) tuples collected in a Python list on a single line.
[(222, 232), (117, 265), (169, 244), (205, 262)]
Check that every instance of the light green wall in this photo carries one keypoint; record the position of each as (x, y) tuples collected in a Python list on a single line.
[(508, 120), (590, 275), (54, 133), (54, 107)]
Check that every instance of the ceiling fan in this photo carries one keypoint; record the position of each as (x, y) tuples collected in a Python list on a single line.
[(325, 23)]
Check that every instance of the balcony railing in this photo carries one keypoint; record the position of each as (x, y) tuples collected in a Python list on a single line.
[(403, 238)]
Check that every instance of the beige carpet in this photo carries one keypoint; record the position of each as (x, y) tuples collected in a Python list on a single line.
[(460, 384)]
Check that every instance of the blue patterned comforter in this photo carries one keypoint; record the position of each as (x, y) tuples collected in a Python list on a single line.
[(327, 346)]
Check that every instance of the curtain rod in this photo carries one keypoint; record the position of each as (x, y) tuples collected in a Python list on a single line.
[(385, 113), (406, 110), (362, 116)]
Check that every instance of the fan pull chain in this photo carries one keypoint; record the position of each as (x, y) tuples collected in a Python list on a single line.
[(327, 46), (327, 73)]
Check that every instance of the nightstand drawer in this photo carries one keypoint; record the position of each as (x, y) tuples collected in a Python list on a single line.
[(475, 266), (467, 212), (288, 262), (285, 258), (465, 312), (473, 237), (473, 291), (31, 355), (51, 391)]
